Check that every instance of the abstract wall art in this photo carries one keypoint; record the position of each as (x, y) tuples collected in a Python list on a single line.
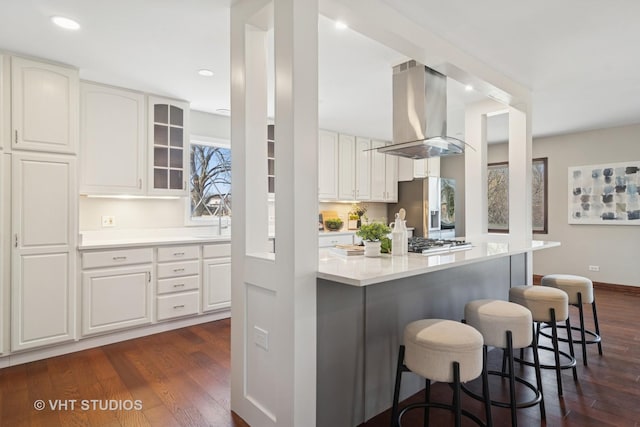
[(605, 194)]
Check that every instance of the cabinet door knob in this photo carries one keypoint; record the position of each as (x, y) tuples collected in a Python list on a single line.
[(178, 306), (178, 270), (178, 254), (178, 285)]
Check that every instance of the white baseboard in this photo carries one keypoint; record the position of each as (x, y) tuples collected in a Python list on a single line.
[(97, 341)]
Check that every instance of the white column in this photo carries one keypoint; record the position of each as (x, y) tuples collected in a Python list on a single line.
[(520, 172), (520, 175), (274, 297), (475, 162)]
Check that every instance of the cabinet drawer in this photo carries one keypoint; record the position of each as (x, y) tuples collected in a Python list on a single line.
[(178, 284), (176, 269), (170, 306), (117, 257), (176, 253), (215, 251), (329, 241)]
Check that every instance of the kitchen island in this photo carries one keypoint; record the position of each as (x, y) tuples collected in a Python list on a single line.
[(364, 304)]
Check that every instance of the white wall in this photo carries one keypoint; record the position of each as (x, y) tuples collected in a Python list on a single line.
[(151, 213), (613, 248)]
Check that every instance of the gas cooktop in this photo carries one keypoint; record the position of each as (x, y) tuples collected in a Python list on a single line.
[(429, 246)]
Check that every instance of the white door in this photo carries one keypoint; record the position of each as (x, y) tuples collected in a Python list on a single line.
[(327, 165), (44, 106), (43, 257), (116, 298), (346, 167), (363, 168), (216, 284), (112, 135)]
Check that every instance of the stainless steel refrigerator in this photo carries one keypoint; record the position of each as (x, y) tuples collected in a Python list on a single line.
[(430, 206)]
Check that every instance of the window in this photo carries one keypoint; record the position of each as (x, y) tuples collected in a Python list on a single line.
[(210, 180), (498, 196)]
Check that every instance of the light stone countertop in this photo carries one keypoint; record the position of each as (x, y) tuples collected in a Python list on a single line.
[(148, 237), (359, 270)]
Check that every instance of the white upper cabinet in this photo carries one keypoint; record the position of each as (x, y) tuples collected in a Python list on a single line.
[(168, 146), (327, 165), (363, 168), (346, 167), (5, 101), (384, 175), (112, 138), (421, 168), (354, 159), (44, 107)]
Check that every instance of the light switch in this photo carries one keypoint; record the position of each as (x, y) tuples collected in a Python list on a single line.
[(261, 338)]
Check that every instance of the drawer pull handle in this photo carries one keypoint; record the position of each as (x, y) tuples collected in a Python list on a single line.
[(178, 285), (178, 270), (178, 306), (178, 254), (119, 258)]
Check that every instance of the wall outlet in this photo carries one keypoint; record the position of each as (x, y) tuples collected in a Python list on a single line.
[(108, 221), (594, 268), (261, 338)]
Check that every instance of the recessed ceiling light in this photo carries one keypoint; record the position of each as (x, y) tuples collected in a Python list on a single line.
[(224, 111), (341, 25), (468, 88), (206, 73), (66, 23)]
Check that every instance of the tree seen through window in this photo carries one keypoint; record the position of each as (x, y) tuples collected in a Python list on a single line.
[(210, 181)]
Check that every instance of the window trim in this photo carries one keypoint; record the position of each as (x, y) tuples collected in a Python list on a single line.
[(211, 142), (545, 229)]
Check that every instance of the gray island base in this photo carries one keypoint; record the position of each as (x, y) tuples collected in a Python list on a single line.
[(360, 323)]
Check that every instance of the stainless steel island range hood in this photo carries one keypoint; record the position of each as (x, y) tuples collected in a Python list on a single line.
[(420, 114)]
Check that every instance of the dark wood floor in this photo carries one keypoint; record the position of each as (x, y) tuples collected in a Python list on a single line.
[(181, 378), (608, 389)]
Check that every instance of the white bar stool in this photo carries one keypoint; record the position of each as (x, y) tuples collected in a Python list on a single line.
[(445, 351), (507, 325), (548, 305), (580, 291)]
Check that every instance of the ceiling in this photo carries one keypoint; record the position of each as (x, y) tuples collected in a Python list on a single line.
[(576, 56)]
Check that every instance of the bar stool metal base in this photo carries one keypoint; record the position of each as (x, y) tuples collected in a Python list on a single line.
[(396, 418), (513, 404), (583, 341), (557, 366)]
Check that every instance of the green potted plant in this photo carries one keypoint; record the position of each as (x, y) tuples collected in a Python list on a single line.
[(333, 224), (372, 235), (356, 213)]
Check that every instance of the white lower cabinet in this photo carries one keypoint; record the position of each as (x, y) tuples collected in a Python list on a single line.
[(330, 241), (216, 275), (178, 287), (116, 289), (116, 298)]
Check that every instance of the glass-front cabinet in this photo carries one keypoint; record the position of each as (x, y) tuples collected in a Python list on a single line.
[(168, 133)]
